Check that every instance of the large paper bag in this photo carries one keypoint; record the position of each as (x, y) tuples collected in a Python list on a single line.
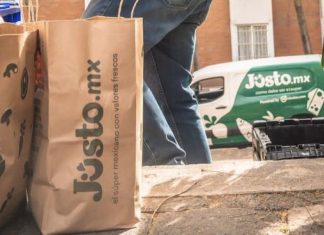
[(86, 176), (16, 115)]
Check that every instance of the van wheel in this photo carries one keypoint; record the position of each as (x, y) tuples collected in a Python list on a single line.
[(303, 115)]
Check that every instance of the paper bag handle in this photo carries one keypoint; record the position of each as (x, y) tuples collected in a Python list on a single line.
[(121, 6), (32, 10)]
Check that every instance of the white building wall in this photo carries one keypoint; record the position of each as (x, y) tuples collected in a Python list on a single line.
[(251, 12)]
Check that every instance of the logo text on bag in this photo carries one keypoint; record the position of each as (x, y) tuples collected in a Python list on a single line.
[(116, 145), (91, 131)]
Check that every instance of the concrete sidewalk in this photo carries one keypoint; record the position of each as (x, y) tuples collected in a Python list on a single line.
[(237, 196)]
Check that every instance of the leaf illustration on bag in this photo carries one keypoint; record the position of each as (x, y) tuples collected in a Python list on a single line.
[(24, 84), (2, 165), (5, 118), (4, 204), (11, 68)]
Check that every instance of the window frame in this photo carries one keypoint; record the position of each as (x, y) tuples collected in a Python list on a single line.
[(252, 46), (234, 39), (251, 12)]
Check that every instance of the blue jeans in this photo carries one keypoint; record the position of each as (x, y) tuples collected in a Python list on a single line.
[(173, 131)]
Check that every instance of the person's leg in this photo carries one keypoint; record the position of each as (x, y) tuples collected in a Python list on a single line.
[(180, 109), (174, 58), (159, 145), (160, 18), (176, 101)]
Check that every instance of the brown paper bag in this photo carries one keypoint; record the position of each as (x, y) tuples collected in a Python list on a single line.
[(16, 115), (86, 176)]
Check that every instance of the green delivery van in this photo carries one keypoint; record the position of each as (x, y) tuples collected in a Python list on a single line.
[(233, 95)]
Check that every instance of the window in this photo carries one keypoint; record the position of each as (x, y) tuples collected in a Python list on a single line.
[(252, 42), (251, 29), (209, 89)]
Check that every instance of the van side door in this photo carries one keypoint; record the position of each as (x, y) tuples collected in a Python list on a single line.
[(212, 96)]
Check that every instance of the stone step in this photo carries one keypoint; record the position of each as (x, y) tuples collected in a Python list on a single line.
[(241, 176), (237, 196)]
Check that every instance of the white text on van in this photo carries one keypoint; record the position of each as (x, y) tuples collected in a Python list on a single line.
[(276, 79)]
